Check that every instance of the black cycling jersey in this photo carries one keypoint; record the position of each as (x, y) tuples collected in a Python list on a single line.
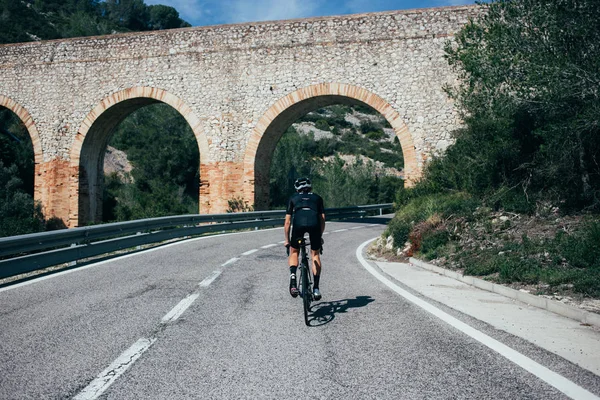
[(306, 209)]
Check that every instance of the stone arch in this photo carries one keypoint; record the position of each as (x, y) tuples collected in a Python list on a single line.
[(39, 194), (87, 152), (288, 109), (27, 120)]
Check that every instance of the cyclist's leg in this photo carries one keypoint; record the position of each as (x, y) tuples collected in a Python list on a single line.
[(293, 260), (315, 247)]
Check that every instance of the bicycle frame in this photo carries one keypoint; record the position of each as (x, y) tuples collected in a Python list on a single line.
[(305, 279)]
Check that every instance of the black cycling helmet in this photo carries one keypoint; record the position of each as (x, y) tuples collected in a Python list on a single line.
[(302, 184)]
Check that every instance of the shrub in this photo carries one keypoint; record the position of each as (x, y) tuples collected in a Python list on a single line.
[(375, 135), (238, 204), (412, 212), (322, 125)]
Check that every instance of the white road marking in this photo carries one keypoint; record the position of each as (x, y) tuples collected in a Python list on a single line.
[(559, 382), (325, 233), (114, 370), (207, 281), (249, 252), (269, 246), (357, 227), (282, 242), (340, 230), (180, 308), (230, 261)]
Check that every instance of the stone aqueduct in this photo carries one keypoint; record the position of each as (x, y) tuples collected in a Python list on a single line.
[(238, 86)]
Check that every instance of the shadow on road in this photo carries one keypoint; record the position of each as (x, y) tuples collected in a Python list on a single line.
[(324, 313)]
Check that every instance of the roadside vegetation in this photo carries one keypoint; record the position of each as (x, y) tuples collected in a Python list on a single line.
[(516, 198)]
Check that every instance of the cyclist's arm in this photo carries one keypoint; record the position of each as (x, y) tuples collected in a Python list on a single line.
[(322, 223)]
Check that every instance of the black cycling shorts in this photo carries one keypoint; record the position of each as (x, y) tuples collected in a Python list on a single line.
[(314, 234)]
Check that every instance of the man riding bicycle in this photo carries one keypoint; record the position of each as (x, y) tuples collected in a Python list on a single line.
[(305, 209)]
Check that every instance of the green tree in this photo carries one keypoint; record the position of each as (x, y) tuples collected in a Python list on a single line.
[(164, 17), (18, 213), (165, 157), (16, 149), (530, 100), (130, 14), (21, 23)]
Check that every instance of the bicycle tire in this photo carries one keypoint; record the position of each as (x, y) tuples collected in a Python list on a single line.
[(305, 293)]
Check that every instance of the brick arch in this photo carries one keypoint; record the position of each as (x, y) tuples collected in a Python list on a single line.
[(87, 151), (287, 109), (27, 120)]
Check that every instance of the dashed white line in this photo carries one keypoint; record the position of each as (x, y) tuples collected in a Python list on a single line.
[(207, 281), (341, 230), (249, 252), (230, 261), (325, 233), (114, 370), (357, 227), (559, 382), (282, 242), (269, 246), (180, 308)]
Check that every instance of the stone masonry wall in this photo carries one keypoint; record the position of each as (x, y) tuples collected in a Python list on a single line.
[(227, 77)]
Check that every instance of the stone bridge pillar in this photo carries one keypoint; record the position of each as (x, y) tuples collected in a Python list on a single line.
[(52, 188), (220, 182)]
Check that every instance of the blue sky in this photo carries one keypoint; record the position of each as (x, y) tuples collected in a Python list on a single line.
[(213, 12)]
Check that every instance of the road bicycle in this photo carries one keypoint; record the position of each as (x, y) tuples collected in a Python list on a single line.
[(305, 283)]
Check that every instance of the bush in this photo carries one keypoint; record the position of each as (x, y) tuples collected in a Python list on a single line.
[(19, 214), (582, 249), (238, 204), (433, 242), (375, 135), (322, 124), (413, 212)]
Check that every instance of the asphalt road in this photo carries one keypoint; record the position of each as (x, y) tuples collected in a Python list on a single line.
[(212, 318)]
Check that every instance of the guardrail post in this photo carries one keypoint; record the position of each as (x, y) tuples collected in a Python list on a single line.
[(74, 262), (381, 211), (138, 247)]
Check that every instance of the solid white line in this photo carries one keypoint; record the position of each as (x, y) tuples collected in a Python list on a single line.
[(325, 233), (230, 261), (357, 227), (269, 246), (180, 308), (561, 383), (249, 252), (207, 281), (114, 370), (340, 230)]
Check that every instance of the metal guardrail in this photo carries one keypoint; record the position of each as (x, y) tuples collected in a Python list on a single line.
[(26, 253)]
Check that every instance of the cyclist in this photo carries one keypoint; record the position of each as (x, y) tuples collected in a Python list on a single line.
[(305, 214)]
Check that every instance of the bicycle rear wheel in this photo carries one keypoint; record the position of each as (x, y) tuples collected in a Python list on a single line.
[(305, 293)]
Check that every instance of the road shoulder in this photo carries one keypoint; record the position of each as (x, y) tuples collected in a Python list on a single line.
[(570, 339)]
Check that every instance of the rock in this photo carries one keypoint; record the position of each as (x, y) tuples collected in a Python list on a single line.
[(389, 245)]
